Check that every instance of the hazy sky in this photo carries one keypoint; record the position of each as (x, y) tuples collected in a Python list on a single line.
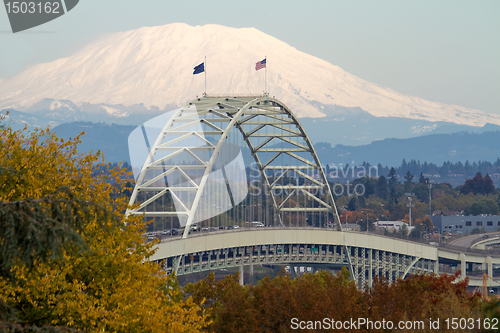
[(446, 51)]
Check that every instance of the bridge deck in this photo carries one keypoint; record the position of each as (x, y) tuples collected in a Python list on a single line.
[(369, 254)]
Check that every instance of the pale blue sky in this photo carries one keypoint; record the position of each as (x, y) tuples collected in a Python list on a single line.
[(446, 51)]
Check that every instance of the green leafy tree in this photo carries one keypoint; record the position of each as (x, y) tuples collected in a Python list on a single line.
[(43, 230), (418, 231), (484, 206), (491, 309), (369, 185)]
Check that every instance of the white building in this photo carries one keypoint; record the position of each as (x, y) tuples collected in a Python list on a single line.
[(398, 225)]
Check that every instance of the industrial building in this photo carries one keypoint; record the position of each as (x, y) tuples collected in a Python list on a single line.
[(460, 224)]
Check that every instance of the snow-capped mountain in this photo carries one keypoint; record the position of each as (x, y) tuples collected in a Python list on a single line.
[(152, 67)]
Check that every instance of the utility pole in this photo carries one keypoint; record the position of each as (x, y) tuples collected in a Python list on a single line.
[(409, 205)]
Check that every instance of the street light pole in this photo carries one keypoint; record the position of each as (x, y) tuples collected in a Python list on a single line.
[(367, 223)]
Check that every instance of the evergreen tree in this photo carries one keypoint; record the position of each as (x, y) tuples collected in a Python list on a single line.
[(422, 179), (404, 165), (425, 168), (352, 204), (382, 189), (391, 204), (408, 181), (392, 178), (487, 186), (369, 185)]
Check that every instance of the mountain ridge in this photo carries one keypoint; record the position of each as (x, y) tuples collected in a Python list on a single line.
[(112, 140), (152, 67)]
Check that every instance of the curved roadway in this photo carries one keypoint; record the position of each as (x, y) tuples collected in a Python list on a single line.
[(468, 241)]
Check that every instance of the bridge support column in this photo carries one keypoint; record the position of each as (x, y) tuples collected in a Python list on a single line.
[(463, 266), (176, 263), (436, 266), (489, 262), (370, 268), (242, 282)]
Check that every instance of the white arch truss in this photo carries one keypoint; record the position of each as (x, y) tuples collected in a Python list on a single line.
[(195, 170)]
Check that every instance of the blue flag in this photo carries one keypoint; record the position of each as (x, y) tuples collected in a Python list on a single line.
[(199, 69)]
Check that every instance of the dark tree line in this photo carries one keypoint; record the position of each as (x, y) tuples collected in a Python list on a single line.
[(468, 169), (274, 305)]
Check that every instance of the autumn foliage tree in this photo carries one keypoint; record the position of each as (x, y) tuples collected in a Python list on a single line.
[(271, 305), (421, 297), (97, 277), (478, 185)]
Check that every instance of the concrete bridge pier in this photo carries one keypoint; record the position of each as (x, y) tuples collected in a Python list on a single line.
[(242, 282), (370, 269), (463, 266)]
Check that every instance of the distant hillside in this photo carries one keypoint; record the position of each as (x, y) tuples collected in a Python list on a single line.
[(341, 125), (435, 148), (353, 127), (112, 139)]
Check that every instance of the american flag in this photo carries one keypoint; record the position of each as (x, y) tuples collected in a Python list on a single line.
[(260, 64)]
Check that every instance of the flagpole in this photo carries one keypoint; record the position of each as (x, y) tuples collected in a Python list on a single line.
[(265, 77), (205, 75)]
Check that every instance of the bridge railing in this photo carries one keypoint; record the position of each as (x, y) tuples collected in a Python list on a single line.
[(244, 229), (400, 236), (380, 234)]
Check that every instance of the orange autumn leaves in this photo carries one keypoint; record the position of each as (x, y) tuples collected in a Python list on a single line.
[(271, 305)]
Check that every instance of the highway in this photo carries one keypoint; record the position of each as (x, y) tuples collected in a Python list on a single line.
[(467, 241)]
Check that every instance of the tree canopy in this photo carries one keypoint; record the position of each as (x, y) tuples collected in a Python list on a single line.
[(478, 185), (484, 206), (271, 305), (73, 262)]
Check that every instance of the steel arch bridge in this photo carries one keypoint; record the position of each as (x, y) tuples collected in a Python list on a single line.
[(197, 172), (365, 255), (198, 169)]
